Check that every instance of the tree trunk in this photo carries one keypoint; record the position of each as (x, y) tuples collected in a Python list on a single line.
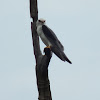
[(42, 61)]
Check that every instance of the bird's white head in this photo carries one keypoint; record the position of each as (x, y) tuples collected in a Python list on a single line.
[(40, 22)]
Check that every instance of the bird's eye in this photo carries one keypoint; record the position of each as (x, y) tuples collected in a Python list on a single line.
[(39, 20)]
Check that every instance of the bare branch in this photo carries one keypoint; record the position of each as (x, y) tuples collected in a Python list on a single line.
[(34, 10), (42, 61), (42, 76)]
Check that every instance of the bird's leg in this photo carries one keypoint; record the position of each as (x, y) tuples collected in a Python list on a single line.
[(48, 47)]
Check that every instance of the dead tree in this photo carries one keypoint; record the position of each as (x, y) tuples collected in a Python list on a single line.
[(42, 61)]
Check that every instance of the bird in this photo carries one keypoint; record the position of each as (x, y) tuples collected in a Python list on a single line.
[(51, 41)]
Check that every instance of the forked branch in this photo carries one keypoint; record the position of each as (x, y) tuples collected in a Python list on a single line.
[(42, 61)]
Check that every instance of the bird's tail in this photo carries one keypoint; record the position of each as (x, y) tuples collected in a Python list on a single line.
[(66, 58), (60, 54)]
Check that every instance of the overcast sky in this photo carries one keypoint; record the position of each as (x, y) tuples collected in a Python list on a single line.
[(76, 24)]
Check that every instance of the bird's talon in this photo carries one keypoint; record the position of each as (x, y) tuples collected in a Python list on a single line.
[(48, 47)]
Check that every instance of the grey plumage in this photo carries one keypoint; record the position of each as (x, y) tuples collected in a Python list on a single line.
[(50, 39)]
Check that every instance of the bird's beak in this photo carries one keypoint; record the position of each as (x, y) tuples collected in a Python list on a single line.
[(43, 21)]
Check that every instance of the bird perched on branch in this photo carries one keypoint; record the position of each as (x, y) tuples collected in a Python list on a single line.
[(50, 40)]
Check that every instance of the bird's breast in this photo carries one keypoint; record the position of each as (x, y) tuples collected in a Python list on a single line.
[(39, 30), (43, 37)]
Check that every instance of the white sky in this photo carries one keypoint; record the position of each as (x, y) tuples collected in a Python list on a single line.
[(77, 25)]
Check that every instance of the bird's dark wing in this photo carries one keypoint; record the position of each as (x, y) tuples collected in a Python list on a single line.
[(56, 47), (52, 37)]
